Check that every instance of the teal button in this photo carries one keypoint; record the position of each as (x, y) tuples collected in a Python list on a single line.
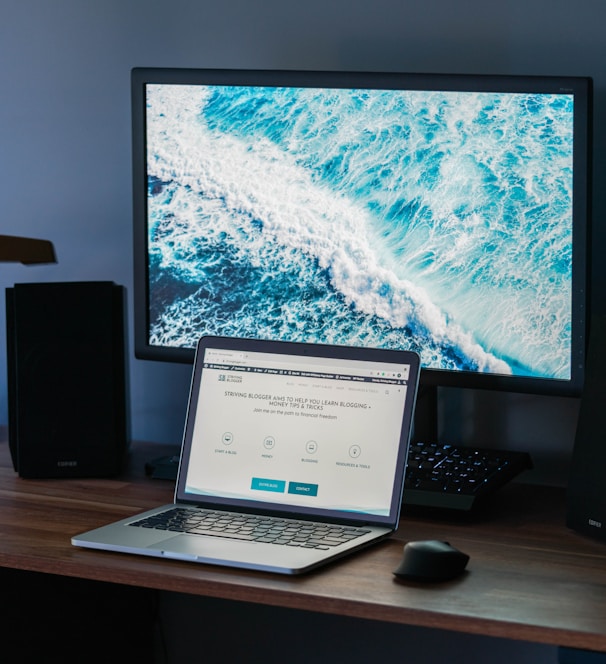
[(302, 489), (262, 484)]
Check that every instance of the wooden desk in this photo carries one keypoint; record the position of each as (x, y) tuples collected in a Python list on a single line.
[(529, 578)]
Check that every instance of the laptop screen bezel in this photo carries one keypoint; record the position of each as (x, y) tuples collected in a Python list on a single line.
[(329, 352)]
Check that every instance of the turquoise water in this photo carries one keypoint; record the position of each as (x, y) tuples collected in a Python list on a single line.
[(436, 221)]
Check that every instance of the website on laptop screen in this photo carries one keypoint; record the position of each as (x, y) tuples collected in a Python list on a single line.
[(317, 433)]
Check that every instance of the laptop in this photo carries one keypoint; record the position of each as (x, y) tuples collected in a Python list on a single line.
[(293, 455)]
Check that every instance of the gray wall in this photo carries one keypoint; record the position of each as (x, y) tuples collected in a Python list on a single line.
[(65, 135)]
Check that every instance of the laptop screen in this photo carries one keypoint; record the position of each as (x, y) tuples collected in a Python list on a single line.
[(299, 432)]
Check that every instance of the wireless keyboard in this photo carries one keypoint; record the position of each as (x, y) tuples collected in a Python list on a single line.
[(459, 478)]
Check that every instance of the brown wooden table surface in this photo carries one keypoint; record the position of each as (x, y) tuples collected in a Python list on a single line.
[(529, 577)]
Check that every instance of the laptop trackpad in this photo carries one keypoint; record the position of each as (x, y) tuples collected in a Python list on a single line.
[(196, 546), (223, 550)]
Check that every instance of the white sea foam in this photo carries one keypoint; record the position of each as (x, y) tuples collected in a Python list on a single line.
[(437, 274)]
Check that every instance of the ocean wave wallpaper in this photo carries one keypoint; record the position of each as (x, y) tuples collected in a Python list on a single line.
[(436, 221)]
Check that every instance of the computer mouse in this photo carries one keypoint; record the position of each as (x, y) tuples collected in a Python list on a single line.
[(431, 560)]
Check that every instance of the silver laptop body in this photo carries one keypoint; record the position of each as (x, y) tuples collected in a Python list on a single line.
[(294, 449)]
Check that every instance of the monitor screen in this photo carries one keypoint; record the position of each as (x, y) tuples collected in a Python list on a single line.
[(443, 214)]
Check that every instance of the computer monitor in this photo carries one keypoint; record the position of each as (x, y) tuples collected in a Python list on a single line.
[(448, 214)]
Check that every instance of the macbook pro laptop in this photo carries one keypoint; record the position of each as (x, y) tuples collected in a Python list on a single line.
[(293, 455)]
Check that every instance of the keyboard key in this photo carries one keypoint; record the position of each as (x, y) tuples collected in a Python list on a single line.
[(447, 476), (252, 528)]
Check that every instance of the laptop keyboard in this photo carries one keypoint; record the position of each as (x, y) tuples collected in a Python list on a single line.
[(252, 528)]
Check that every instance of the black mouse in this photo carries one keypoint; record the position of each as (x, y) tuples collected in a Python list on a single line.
[(431, 560)]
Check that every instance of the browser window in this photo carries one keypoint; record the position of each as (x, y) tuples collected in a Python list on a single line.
[(297, 430)]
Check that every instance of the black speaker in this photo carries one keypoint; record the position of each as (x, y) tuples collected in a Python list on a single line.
[(586, 496), (67, 379)]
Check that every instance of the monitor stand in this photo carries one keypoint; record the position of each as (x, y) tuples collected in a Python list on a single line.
[(425, 426)]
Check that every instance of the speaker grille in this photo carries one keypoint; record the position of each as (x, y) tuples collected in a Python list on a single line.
[(67, 378), (586, 496)]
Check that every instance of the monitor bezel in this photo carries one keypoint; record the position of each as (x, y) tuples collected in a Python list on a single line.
[(579, 86)]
